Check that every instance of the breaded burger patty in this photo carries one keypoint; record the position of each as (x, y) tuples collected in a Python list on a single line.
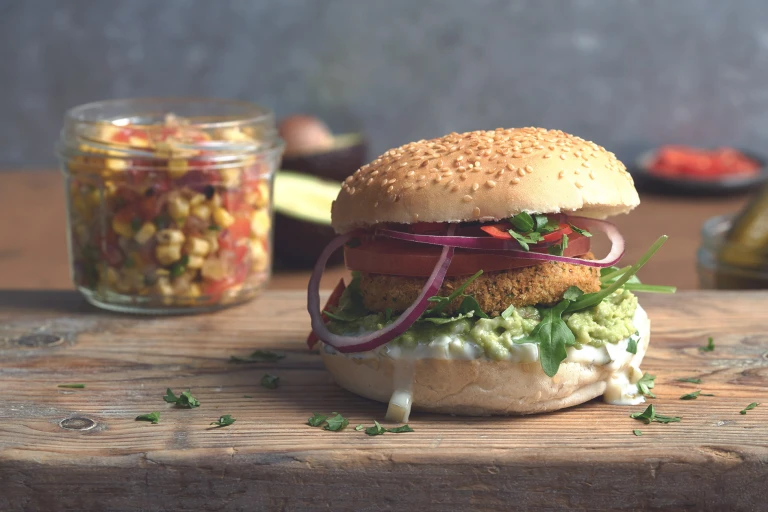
[(540, 284)]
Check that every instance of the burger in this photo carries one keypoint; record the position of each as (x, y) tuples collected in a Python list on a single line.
[(475, 290)]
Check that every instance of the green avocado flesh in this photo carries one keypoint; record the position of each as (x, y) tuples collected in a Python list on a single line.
[(611, 321), (305, 197)]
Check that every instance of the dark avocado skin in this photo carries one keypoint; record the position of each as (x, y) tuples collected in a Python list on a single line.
[(298, 243), (335, 164)]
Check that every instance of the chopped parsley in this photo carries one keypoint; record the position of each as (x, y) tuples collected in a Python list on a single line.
[(692, 380), (377, 429), (400, 429), (224, 421), (270, 381), (153, 417), (710, 345), (333, 422), (442, 302), (359, 427), (523, 222), (559, 249), (649, 415), (552, 335), (259, 356), (185, 399), (533, 237), (749, 408), (316, 419), (632, 343), (637, 432), (694, 395), (71, 386), (582, 232), (645, 384)]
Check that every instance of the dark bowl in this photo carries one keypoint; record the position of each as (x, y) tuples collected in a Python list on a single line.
[(348, 155), (646, 181)]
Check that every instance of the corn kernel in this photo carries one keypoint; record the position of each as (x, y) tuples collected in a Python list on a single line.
[(230, 177), (197, 246), (260, 223), (223, 218), (112, 276), (122, 228), (214, 269), (263, 198), (170, 236), (94, 197), (212, 237), (234, 134), (178, 207), (138, 142), (163, 286), (115, 164), (193, 291), (177, 167), (195, 262), (215, 201), (202, 212), (167, 254), (197, 199), (259, 256), (146, 232)]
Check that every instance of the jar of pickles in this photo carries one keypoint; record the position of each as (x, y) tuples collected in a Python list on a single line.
[(169, 202)]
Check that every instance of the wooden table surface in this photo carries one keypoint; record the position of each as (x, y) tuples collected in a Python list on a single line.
[(33, 252), (80, 449)]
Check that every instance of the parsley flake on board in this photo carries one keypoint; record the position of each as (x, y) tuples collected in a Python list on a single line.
[(316, 419), (335, 423), (71, 386), (224, 421), (153, 417), (270, 381), (258, 356), (359, 427), (637, 432), (185, 399), (710, 345), (649, 415), (694, 395), (377, 429), (645, 384), (692, 380), (749, 408)]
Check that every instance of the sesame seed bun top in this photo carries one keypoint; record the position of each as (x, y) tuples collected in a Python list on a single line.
[(485, 175)]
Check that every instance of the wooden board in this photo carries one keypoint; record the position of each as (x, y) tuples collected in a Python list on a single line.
[(584, 458)]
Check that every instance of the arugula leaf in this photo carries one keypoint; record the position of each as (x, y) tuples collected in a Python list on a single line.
[(553, 224), (375, 430), (582, 232), (71, 386), (610, 274), (592, 299), (637, 432), (508, 312), (645, 384), (154, 417), (523, 222), (270, 381), (359, 427), (694, 395), (259, 356), (541, 223), (336, 423), (710, 345), (749, 408), (224, 421), (185, 399), (692, 380), (316, 419), (632, 343), (400, 429), (388, 315), (531, 238), (649, 415), (573, 293), (650, 288), (552, 335), (470, 305), (559, 249), (439, 320), (443, 302)]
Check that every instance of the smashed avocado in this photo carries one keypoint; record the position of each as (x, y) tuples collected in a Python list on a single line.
[(609, 321)]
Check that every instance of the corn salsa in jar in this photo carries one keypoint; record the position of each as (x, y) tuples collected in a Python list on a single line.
[(169, 202)]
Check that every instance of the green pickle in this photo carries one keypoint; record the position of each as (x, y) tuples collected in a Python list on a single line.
[(744, 254)]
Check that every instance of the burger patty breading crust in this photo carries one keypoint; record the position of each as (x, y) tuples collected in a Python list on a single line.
[(540, 284)]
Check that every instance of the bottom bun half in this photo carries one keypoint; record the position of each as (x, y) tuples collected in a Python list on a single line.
[(482, 387)]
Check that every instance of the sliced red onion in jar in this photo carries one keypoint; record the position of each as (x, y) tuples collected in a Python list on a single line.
[(513, 247), (372, 340)]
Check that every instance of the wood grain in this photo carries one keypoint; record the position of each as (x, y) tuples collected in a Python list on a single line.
[(33, 252), (584, 458)]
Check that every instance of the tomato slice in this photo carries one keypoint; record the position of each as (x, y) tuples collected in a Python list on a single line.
[(400, 258), (333, 300), (501, 231)]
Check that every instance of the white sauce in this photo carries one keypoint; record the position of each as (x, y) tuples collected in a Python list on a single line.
[(621, 384)]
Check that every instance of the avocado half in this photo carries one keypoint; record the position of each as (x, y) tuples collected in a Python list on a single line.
[(347, 155), (303, 219)]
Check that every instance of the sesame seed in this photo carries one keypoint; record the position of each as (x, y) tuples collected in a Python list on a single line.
[(547, 155), (476, 212), (475, 186), (422, 184), (463, 176), (374, 173), (466, 198), (528, 150), (393, 199), (410, 173), (585, 164), (515, 180), (490, 183), (528, 168), (511, 167), (376, 204), (403, 164), (578, 184), (390, 189), (592, 174), (501, 171), (436, 179), (454, 188), (459, 158), (517, 155), (562, 156), (521, 171), (422, 177)]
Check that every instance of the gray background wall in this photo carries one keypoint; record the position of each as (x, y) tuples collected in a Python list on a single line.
[(623, 73)]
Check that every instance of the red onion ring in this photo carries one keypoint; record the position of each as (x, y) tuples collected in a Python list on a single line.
[(511, 246), (370, 341)]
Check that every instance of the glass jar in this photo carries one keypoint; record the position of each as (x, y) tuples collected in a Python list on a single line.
[(169, 202), (726, 265)]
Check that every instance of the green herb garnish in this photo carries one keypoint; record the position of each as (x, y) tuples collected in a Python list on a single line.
[(180, 266), (645, 384), (154, 417), (400, 429), (637, 432), (224, 421), (185, 399), (649, 415), (694, 395), (559, 249), (316, 419), (359, 428), (692, 380), (523, 222), (375, 430), (582, 232), (259, 356), (632, 343), (71, 386), (749, 408), (336, 423), (214, 227), (270, 381), (573, 293), (136, 224), (552, 335), (524, 240), (710, 345), (442, 302)]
